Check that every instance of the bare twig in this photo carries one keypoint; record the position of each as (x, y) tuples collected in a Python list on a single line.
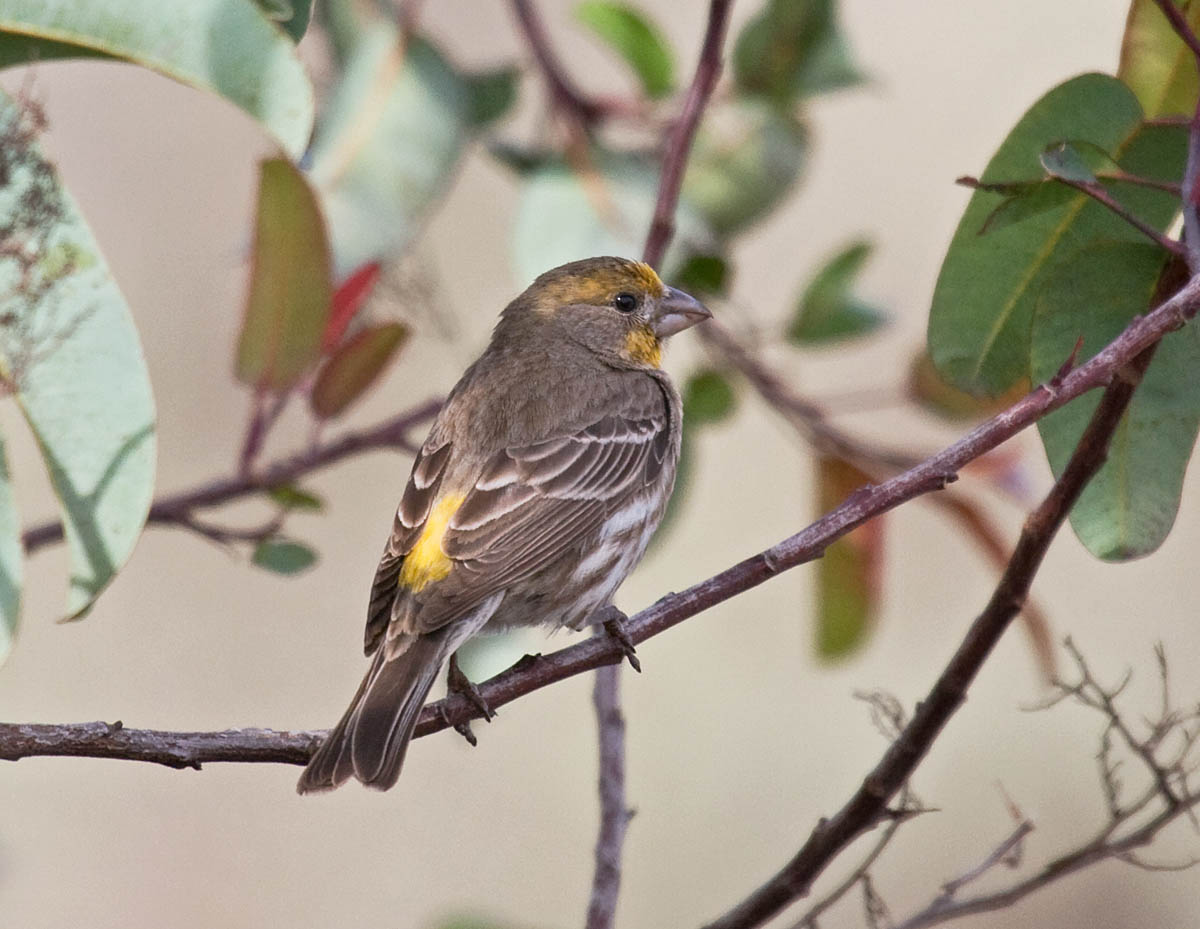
[(1173, 802), (533, 673), (177, 508), (614, 814), (865, 808), (565, 96), (1179, 23), (679, 141), (1097, 192)]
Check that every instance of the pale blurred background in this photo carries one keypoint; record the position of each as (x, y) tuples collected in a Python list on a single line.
[(738, 738)]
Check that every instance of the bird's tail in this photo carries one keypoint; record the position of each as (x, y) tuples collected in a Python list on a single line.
[(370, 740)]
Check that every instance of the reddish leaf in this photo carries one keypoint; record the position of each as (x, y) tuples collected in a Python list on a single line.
[(354, 367), (848, 575), (347, 299), (288, 300)]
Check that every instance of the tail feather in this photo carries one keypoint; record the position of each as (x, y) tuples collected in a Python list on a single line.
[(370, 740)]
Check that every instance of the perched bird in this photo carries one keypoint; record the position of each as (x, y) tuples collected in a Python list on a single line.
[(535, 494)]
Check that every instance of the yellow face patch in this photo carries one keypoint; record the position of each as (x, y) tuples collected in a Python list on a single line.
[(644, 347), (427, 562), (599, 287)]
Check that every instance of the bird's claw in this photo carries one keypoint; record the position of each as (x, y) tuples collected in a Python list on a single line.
[(459, 683), (614, 625)]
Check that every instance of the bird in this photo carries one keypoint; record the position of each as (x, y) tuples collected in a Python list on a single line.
[(536, 492)]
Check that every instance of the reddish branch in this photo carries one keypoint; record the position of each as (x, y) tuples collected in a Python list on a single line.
[(614, 814), (868, 806), (563, 93), (679, 141), (535, 672), (177, 508)]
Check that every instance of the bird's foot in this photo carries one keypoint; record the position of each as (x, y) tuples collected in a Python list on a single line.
[(614, 624), (459, 683)]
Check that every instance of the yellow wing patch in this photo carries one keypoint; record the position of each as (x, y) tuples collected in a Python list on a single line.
[(644, 347), (427, 562)]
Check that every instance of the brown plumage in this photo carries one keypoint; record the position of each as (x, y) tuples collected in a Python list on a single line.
[(533, 497)]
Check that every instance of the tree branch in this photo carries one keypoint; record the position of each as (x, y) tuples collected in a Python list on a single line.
[(869, 802), (614, 814), (534, 672), (565, 96), (176, 509), (679, 142)]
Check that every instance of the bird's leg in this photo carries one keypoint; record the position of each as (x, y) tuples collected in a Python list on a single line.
[(614, 621), (459, 683)]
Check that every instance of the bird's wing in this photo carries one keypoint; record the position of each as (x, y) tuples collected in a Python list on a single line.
[(419, 494), (530, 506)]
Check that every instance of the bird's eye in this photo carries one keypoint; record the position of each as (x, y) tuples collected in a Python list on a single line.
[(625, 302)]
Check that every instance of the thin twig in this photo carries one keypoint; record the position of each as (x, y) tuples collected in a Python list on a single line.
[(565, 96), (614, 814), (177, 508), (679, 142), (869, 802), (1179, 23), (534, 672), (1097, 192)]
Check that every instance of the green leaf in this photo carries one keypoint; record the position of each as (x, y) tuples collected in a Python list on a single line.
[(1129, 507), (983, 304), (1027, 200), (746, 158), (703, 276), (70, 352), (848, 574), (563, 215), (793, 49), (292, 16), (388, 144), (354, 367), (708, 398), (290, 290), (228, 47), (284, 556), (492, 93), (635, 39), (291, 497), (1063, 161), (1155, 64), (827, 311)]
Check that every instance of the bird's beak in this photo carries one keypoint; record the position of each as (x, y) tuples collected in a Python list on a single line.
[(677, 311)]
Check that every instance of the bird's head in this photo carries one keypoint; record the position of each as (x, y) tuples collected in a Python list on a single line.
[(616, 307)]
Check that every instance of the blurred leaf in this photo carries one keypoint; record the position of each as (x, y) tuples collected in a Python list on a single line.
[(848, 574), (388, 143), (793, 49), (227, 47), (348, 299), (343, 23), (70, 352), (708, 398), (291, 497), (283, 556), (746, 158), (827, 311), (1064, 161), (354, 367), (1155, 64), (12, 556), (635, 39), (564, 215), (291, 16), (1128, 508), (289, 297), (703, 276), (930, 390), (522, 160), (982, 306), (492, 93)]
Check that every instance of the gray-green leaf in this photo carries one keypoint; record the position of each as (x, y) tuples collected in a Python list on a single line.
[(828, 310), (635, 39), (228, 47), (70, 354), (284, 556), (1129, 507)]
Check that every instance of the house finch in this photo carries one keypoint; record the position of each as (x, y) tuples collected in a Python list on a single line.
[(535, 494)]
